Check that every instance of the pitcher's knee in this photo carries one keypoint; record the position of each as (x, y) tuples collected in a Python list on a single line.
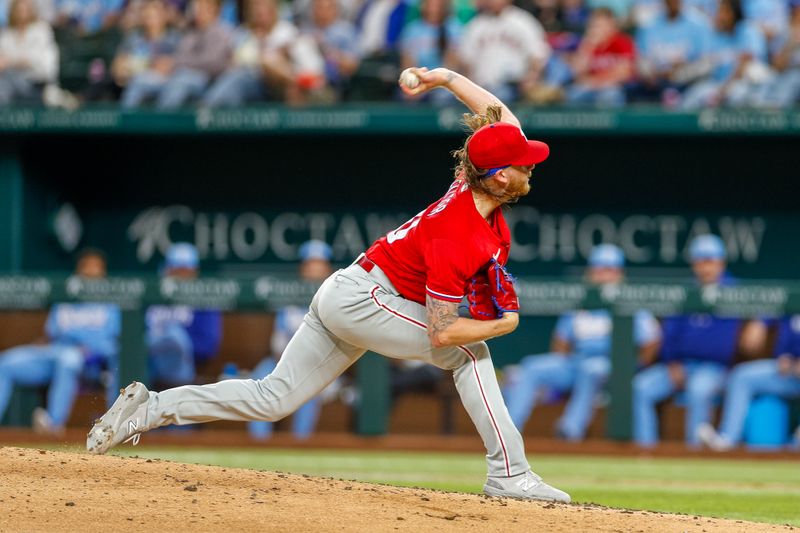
[(459, 356), (278, 400)]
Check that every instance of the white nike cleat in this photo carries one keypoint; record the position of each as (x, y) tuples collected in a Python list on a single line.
[(526, 486), (124, 422), (709, 436)]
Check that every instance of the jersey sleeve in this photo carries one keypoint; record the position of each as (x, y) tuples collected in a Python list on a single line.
[(646, 328), (446, 270), (51, 326)]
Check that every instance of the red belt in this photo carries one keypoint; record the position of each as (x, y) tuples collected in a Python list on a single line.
[(365, 263)]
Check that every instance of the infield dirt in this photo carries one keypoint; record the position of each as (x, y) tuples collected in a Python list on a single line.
[(56, 491)]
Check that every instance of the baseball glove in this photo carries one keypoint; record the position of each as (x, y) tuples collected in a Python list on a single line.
[(501, 288), (479, 296)]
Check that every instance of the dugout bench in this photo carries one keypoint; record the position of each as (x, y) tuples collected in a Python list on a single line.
[(538, 297)]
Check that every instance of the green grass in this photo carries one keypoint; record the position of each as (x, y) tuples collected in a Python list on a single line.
[(759, 490)]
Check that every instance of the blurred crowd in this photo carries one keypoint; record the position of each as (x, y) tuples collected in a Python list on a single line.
[(685, 54), (748, 368)]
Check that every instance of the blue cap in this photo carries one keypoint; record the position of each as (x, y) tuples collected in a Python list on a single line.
[(607, 256), (315, 249), (707, 247), (181, 255)]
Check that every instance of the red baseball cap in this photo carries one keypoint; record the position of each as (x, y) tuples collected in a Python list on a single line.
[(502, 144)]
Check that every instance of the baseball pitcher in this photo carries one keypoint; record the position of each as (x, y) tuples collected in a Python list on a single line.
[(399, 299)]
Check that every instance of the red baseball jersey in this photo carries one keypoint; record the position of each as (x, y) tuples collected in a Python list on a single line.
[(605, 57), (440, 249)]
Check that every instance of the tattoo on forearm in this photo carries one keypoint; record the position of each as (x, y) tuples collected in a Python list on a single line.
[(440, 314), (450, 76)]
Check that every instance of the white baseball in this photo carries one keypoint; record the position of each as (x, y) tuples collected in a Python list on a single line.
[(409, 79)]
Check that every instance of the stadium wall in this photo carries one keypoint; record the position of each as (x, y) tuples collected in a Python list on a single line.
[(248, 186)]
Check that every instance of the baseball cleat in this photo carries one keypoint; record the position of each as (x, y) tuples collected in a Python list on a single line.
[(125, 421), (709, 436), (526, 486)]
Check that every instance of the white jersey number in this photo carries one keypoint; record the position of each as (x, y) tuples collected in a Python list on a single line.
[(402, 231)]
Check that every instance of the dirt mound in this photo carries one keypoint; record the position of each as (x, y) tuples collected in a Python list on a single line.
[(55, 491)]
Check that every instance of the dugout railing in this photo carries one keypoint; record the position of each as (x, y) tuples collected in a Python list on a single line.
[(266, 293)]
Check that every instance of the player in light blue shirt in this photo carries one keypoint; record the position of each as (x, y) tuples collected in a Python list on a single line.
[(428, 41), (697, 352), (671, 44), (80, 337), (737, 61), (178, 336), (580, 360), (432, 41), (315, 266), (778, 376)]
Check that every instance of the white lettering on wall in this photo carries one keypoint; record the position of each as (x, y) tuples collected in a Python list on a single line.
[(249, 236), (536, 236)]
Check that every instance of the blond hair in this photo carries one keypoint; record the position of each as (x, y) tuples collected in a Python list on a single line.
[(464, 167)]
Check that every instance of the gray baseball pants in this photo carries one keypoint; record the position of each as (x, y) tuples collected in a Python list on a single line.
[(353, 311)]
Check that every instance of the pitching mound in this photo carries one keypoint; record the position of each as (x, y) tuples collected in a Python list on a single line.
[(55, 491)]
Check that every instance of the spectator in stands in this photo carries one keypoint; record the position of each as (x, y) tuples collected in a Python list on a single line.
[(379, 24), (736, 55), (302, 10), (431, 41), (315, 267), (646, 12), (565, 23), (547, 12), (696, 353), (78, 336), (202, 54), (176, 12), (603, 63), (668, 50), (574, 16), (779, 376), (28, 55), (88, 16), (504, 49), (579, 360), (703, 10), (261, 67), (784, 89), (140, 50), (337, 40), (44, 8), (178, 336), (620, 9), (771, 17)]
